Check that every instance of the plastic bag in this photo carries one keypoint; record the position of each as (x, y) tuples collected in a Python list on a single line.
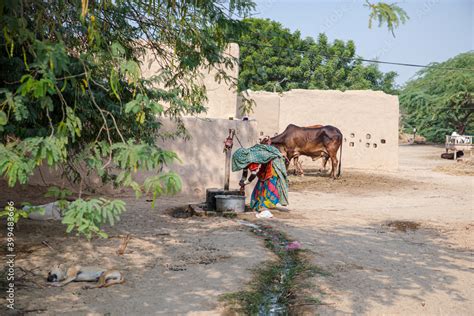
[(264, 214), (294, 245)]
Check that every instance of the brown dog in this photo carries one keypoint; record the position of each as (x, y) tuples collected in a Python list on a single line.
[(60, 276)]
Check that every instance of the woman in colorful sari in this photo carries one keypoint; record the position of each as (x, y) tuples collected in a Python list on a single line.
[(266, 163)]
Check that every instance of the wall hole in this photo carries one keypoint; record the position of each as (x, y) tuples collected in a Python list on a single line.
[(367, 145), (345, 140), (353, 135), (375, 145), (351, 144), (261, 133), (368, 136), (382, 141)]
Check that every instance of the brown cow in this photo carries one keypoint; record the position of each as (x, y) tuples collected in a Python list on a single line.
[(325, 157), (311, 142), (298, 165)]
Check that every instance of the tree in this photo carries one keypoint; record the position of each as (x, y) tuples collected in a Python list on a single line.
[(440, 99), (272, 58), (72, 94), (390, 14)]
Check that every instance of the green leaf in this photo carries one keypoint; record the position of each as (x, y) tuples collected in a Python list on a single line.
[(88, 216), (114, 83), (3, 118), (132, 106), (117, 50), (102, 234)]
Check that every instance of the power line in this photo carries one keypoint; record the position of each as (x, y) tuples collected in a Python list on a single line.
[(411, 65), (356, 58)]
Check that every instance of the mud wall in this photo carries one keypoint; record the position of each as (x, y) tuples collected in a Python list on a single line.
[(203, 160), (222, 96), (367, 119)]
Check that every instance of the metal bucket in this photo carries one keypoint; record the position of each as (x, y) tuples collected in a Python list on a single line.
[(235, 203)]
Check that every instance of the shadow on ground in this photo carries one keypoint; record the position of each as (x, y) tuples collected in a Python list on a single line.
[(171, 266), (380, 268)]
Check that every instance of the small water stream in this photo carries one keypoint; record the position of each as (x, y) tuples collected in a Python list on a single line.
[(275, 294)]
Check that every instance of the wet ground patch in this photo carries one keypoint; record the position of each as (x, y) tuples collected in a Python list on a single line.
[(275, 288), (403, 226)]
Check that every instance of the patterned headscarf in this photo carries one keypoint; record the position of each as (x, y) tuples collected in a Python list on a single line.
[(262, 154)]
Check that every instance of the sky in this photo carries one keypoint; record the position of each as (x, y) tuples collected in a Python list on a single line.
[(436, 31)]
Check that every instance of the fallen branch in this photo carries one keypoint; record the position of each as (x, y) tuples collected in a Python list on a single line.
[(158, 234), (123, 245), (44, 242)]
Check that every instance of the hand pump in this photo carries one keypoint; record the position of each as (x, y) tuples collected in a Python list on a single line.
[(228, 144)]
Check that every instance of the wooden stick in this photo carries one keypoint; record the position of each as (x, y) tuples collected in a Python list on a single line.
[(44, 242), (123, 245)]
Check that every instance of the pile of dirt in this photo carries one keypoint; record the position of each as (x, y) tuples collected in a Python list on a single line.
[(462, 167)]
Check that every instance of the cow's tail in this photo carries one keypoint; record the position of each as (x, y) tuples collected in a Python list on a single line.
[(340, 162)]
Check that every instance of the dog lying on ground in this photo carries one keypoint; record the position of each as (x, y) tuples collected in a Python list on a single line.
[(60, 276)]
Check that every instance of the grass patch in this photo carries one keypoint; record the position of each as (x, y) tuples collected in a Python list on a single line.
[(249, 301)]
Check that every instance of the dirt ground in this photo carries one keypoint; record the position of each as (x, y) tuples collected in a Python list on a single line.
[(398, 243), (391, 243), (171, 266)]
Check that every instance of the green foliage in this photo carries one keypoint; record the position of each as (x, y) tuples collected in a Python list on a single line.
[(72, 94), (60, 195), (390, 14), (57, 193), (17, 213), (272, 58), (86, 217), (440, 101), (169, 183)]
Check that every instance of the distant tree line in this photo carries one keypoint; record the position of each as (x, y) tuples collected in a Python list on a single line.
[(440, 100), (272, 58)]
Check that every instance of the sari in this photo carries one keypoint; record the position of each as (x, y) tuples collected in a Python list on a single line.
[(272, 187)]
